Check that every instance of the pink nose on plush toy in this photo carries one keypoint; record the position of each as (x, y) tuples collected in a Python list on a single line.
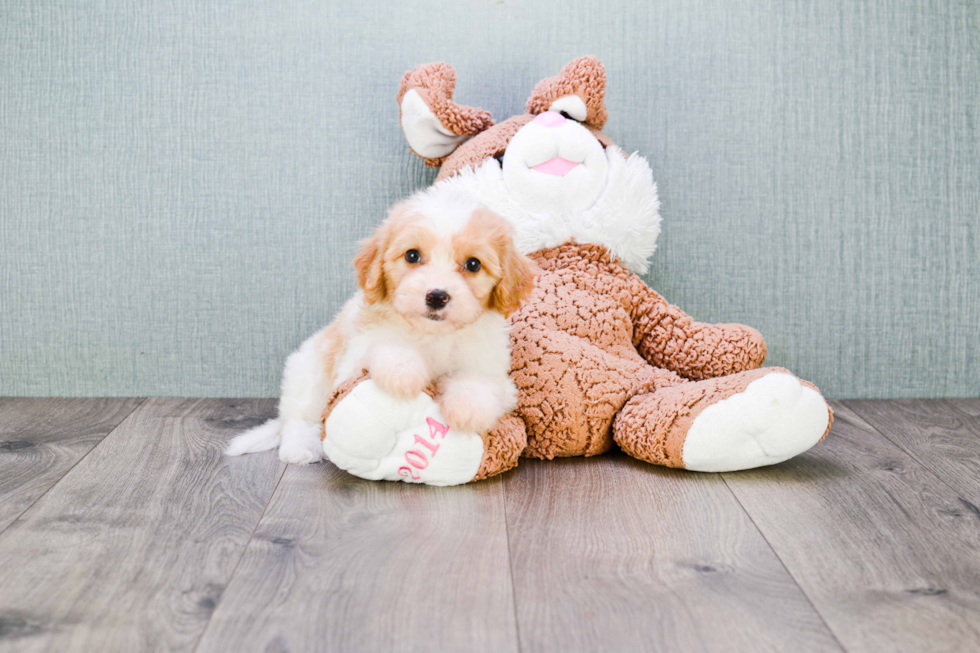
[(550, 119)]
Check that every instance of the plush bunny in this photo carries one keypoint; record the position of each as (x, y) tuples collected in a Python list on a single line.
[(599, 359)]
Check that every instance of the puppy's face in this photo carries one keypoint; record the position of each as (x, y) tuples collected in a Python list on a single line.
[(441, 270)]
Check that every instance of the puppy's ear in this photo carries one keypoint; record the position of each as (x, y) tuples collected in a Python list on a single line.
[(517, 272), (369, 264), (516, 282)]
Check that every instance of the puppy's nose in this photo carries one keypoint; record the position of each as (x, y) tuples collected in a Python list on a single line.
[(436, 299)]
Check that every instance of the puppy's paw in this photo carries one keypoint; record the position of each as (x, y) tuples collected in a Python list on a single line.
[(469, 416), (300, 443), (400, 380), (398, 370), (471, 403), (301, 454)]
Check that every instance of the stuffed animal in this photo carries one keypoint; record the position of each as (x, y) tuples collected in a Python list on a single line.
[(599, 359)]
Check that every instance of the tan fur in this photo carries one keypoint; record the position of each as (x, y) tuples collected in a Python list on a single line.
[(409, 341), (516, 278), (332, 345), (369, 265), (475, 241), (506, 277), (380, 264), (490, 238), (405, 232)]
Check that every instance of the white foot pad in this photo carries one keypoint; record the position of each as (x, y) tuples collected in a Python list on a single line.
[(773, 419), (378, 437)]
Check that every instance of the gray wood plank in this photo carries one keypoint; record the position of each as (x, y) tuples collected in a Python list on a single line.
[(342, 564), (880, 545), (42, 438), (133, 548), (943, 435), (613, 554)]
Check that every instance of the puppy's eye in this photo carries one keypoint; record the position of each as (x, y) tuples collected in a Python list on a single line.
[(473, 264), (413, 256)]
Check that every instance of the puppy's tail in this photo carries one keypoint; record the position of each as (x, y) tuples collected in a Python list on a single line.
[(261, 438)]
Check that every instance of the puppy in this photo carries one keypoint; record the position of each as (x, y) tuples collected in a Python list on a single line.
[(437, 281)]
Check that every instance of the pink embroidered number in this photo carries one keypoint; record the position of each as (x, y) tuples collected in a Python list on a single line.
[(435, 428), (425, 443), (408, 471), (417, 458)]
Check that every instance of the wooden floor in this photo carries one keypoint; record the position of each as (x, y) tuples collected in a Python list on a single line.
[(122, 528)]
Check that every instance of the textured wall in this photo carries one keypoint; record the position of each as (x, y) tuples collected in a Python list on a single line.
[(183, 182)]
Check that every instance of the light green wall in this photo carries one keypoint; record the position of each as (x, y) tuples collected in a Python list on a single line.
[(183, 182)]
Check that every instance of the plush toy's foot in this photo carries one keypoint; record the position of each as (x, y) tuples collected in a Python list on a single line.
[(752, 419), (371, 434)]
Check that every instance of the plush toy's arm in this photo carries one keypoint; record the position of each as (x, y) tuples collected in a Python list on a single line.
[(668, 338)]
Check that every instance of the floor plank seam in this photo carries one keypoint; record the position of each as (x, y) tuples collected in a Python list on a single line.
[(238, 562), (140, 402), (907, 452), (783, 564), (510, 565)]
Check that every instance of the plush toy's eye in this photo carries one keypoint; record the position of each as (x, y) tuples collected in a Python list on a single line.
[(473, 264), (500, 159), (413, 256), (572, 107)]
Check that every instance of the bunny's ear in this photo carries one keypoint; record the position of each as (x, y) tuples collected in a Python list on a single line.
[(433, 124), (578, 91)]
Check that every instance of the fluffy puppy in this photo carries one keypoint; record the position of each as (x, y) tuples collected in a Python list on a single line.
[(437, 281)]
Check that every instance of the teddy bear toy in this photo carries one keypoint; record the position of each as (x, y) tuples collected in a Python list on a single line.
[(599, 359)]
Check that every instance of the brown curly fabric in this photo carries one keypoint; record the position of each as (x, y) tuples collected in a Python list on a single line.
[(435, 82), (585, 77), (666, 337), (593, 336), (341, 391), (573, 358), (653, 426), (502, 447)]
